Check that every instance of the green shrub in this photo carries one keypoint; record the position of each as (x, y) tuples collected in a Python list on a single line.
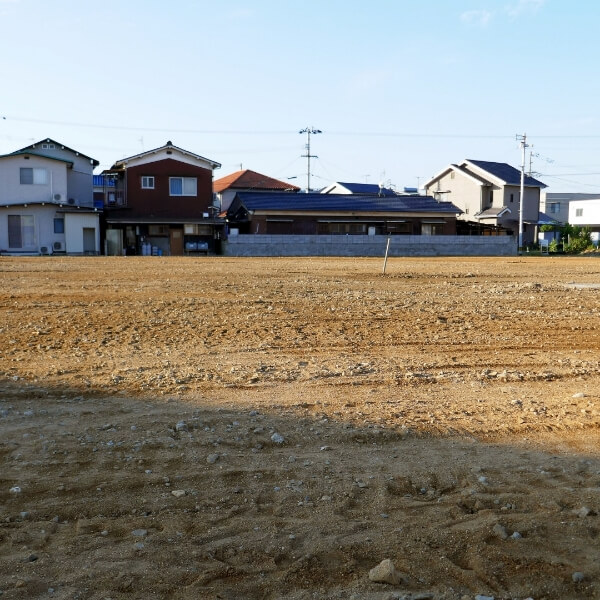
[(580, 239)]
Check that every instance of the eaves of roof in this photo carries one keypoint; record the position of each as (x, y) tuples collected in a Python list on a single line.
[(168, 145), (62, 147), (493, 213), (29, 153), (61, 206), (124, 220), (458, 169)]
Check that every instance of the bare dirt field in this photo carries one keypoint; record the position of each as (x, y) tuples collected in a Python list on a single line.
[(218, 428)]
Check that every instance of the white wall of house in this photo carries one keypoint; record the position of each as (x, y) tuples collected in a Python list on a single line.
[(585, 213), (79, 176), (81, 231), (50, 177), (36, 228)]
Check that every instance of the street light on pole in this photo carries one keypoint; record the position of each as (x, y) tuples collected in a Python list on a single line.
[(308, 155)]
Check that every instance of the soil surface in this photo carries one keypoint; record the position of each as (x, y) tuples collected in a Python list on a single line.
[(195, 428)]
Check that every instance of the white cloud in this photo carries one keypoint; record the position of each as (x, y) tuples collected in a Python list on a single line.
[(524, 7), (479, 18)]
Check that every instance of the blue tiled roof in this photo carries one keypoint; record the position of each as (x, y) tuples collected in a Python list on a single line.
[(367, 188), (344, 202), (506, 173)]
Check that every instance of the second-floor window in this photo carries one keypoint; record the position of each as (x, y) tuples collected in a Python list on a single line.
[(33, 176), (579, 212), (555, 207), (182, 186), (147, 182)]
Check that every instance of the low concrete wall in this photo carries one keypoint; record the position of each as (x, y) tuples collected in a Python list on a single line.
[(369, 245)]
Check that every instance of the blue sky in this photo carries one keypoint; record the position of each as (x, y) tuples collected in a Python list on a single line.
[(399, 89)]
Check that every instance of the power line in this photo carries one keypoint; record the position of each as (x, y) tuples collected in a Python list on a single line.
[(392, 134)]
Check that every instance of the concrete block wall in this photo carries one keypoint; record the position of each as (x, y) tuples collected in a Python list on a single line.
[(368, 245)]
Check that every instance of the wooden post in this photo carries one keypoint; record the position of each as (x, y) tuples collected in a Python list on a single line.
[(387, 249)]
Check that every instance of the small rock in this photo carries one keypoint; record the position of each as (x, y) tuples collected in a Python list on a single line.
[(583, 512), (15, 489), (579, 395), (211, 459), (139, 532), (32, 558), (578, 577), (385, 572), (178, 493), (481, 597), (500, 531), (139, 546), (516, 536), (277, 438), (181, 426)]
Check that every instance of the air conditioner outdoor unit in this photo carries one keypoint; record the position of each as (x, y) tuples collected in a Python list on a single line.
[(58, 246), (44, 250), (57, 197), (71, 200)]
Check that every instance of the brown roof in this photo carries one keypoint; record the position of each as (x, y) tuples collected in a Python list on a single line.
[(251, 180)]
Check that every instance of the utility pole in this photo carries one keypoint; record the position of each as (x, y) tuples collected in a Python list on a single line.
[(523, 141), (308, 155)]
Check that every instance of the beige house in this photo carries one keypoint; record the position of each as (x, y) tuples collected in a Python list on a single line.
[(489, 195)]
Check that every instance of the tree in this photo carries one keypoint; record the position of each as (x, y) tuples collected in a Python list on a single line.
[(578, 238)]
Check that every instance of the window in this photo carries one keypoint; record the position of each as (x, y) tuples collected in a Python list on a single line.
[(182, 186), (432, 228), (579, 212), (555, 207), (21, 231), (33, 176), (158, 230), (59, 225), (147, 182), (512, 197)]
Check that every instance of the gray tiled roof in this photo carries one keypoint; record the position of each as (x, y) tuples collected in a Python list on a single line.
[(506, 173), (344, 202)]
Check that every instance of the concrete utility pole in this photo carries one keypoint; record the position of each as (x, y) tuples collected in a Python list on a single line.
[(523, 140), (308, 155)]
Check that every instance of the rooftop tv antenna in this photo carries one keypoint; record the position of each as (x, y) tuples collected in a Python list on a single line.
[(308, 155)]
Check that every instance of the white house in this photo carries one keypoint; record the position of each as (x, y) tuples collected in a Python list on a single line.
[(586, 213), (46, 201)]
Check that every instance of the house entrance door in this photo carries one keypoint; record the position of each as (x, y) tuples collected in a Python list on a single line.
[(176, 242), (89, 240)]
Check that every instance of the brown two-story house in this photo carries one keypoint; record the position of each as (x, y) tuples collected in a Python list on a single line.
[(160, 202)]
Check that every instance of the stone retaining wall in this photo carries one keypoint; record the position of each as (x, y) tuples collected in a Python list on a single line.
[(368, 245)]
